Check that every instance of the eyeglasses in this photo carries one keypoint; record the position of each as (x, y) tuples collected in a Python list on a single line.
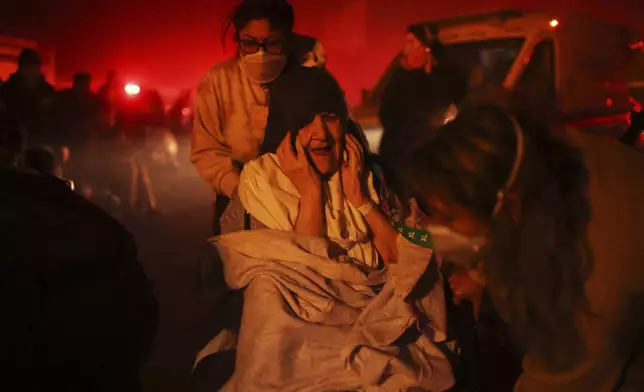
[(270, 46)]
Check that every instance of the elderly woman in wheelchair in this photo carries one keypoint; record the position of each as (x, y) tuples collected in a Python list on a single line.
[(342, 290)]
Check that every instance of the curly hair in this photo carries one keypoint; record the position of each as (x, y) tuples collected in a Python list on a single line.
[(536, 266)]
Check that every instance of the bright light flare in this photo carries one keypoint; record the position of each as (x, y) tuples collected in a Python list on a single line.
[(554, 23), (132, 89), (171, 146), (637, 45)]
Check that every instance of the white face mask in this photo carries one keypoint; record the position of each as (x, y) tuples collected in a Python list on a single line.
[(263, 67), (454, 247)]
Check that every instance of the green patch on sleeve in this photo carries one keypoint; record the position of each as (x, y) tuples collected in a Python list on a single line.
[(415, 236)]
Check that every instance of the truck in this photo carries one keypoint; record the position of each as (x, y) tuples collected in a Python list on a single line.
[(10, 49), (588, 69)]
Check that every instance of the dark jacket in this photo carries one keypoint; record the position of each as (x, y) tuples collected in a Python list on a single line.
[(74, 117), (27, 105), (78, 313), (409, 102)]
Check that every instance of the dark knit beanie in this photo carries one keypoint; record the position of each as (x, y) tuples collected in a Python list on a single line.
[(296, 97)]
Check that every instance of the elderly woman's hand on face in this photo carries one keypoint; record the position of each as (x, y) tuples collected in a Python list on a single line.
[(297, 166), (353, 173)]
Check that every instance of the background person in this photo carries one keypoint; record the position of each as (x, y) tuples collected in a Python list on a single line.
[(75, 124), (12, 140), (78, 311), (144, 115), (425, 89), (43, 160), (424, 83), (26, 95)]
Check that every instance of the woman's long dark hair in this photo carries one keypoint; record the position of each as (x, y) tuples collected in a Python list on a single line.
[(278, 13), (537, 266), (297, 96)]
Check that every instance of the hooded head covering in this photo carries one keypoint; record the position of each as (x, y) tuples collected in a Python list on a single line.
[(296, 97)]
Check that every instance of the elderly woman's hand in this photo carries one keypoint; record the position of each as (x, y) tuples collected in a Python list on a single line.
[(353, 173), (297, 167)]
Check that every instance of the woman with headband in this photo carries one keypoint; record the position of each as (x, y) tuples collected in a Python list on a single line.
[(551, 224)]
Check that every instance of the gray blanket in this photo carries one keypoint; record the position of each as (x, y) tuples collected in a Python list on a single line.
[(314, 320)]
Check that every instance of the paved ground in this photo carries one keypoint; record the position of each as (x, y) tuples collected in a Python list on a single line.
[(169, 247)]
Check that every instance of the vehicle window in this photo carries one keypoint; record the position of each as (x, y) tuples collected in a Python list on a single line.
[(540, 69), (636, 74), (536, 86), (486, 62)]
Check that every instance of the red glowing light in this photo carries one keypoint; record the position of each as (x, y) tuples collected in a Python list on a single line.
[(554, 23), (637, 45), (132, 89)]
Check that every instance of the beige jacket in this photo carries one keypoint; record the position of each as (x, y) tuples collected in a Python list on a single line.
[(230, 121), (616, 287), (229, 125)]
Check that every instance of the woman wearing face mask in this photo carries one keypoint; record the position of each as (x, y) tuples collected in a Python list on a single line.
[(552, 223), (424, 86), (232, 100)]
